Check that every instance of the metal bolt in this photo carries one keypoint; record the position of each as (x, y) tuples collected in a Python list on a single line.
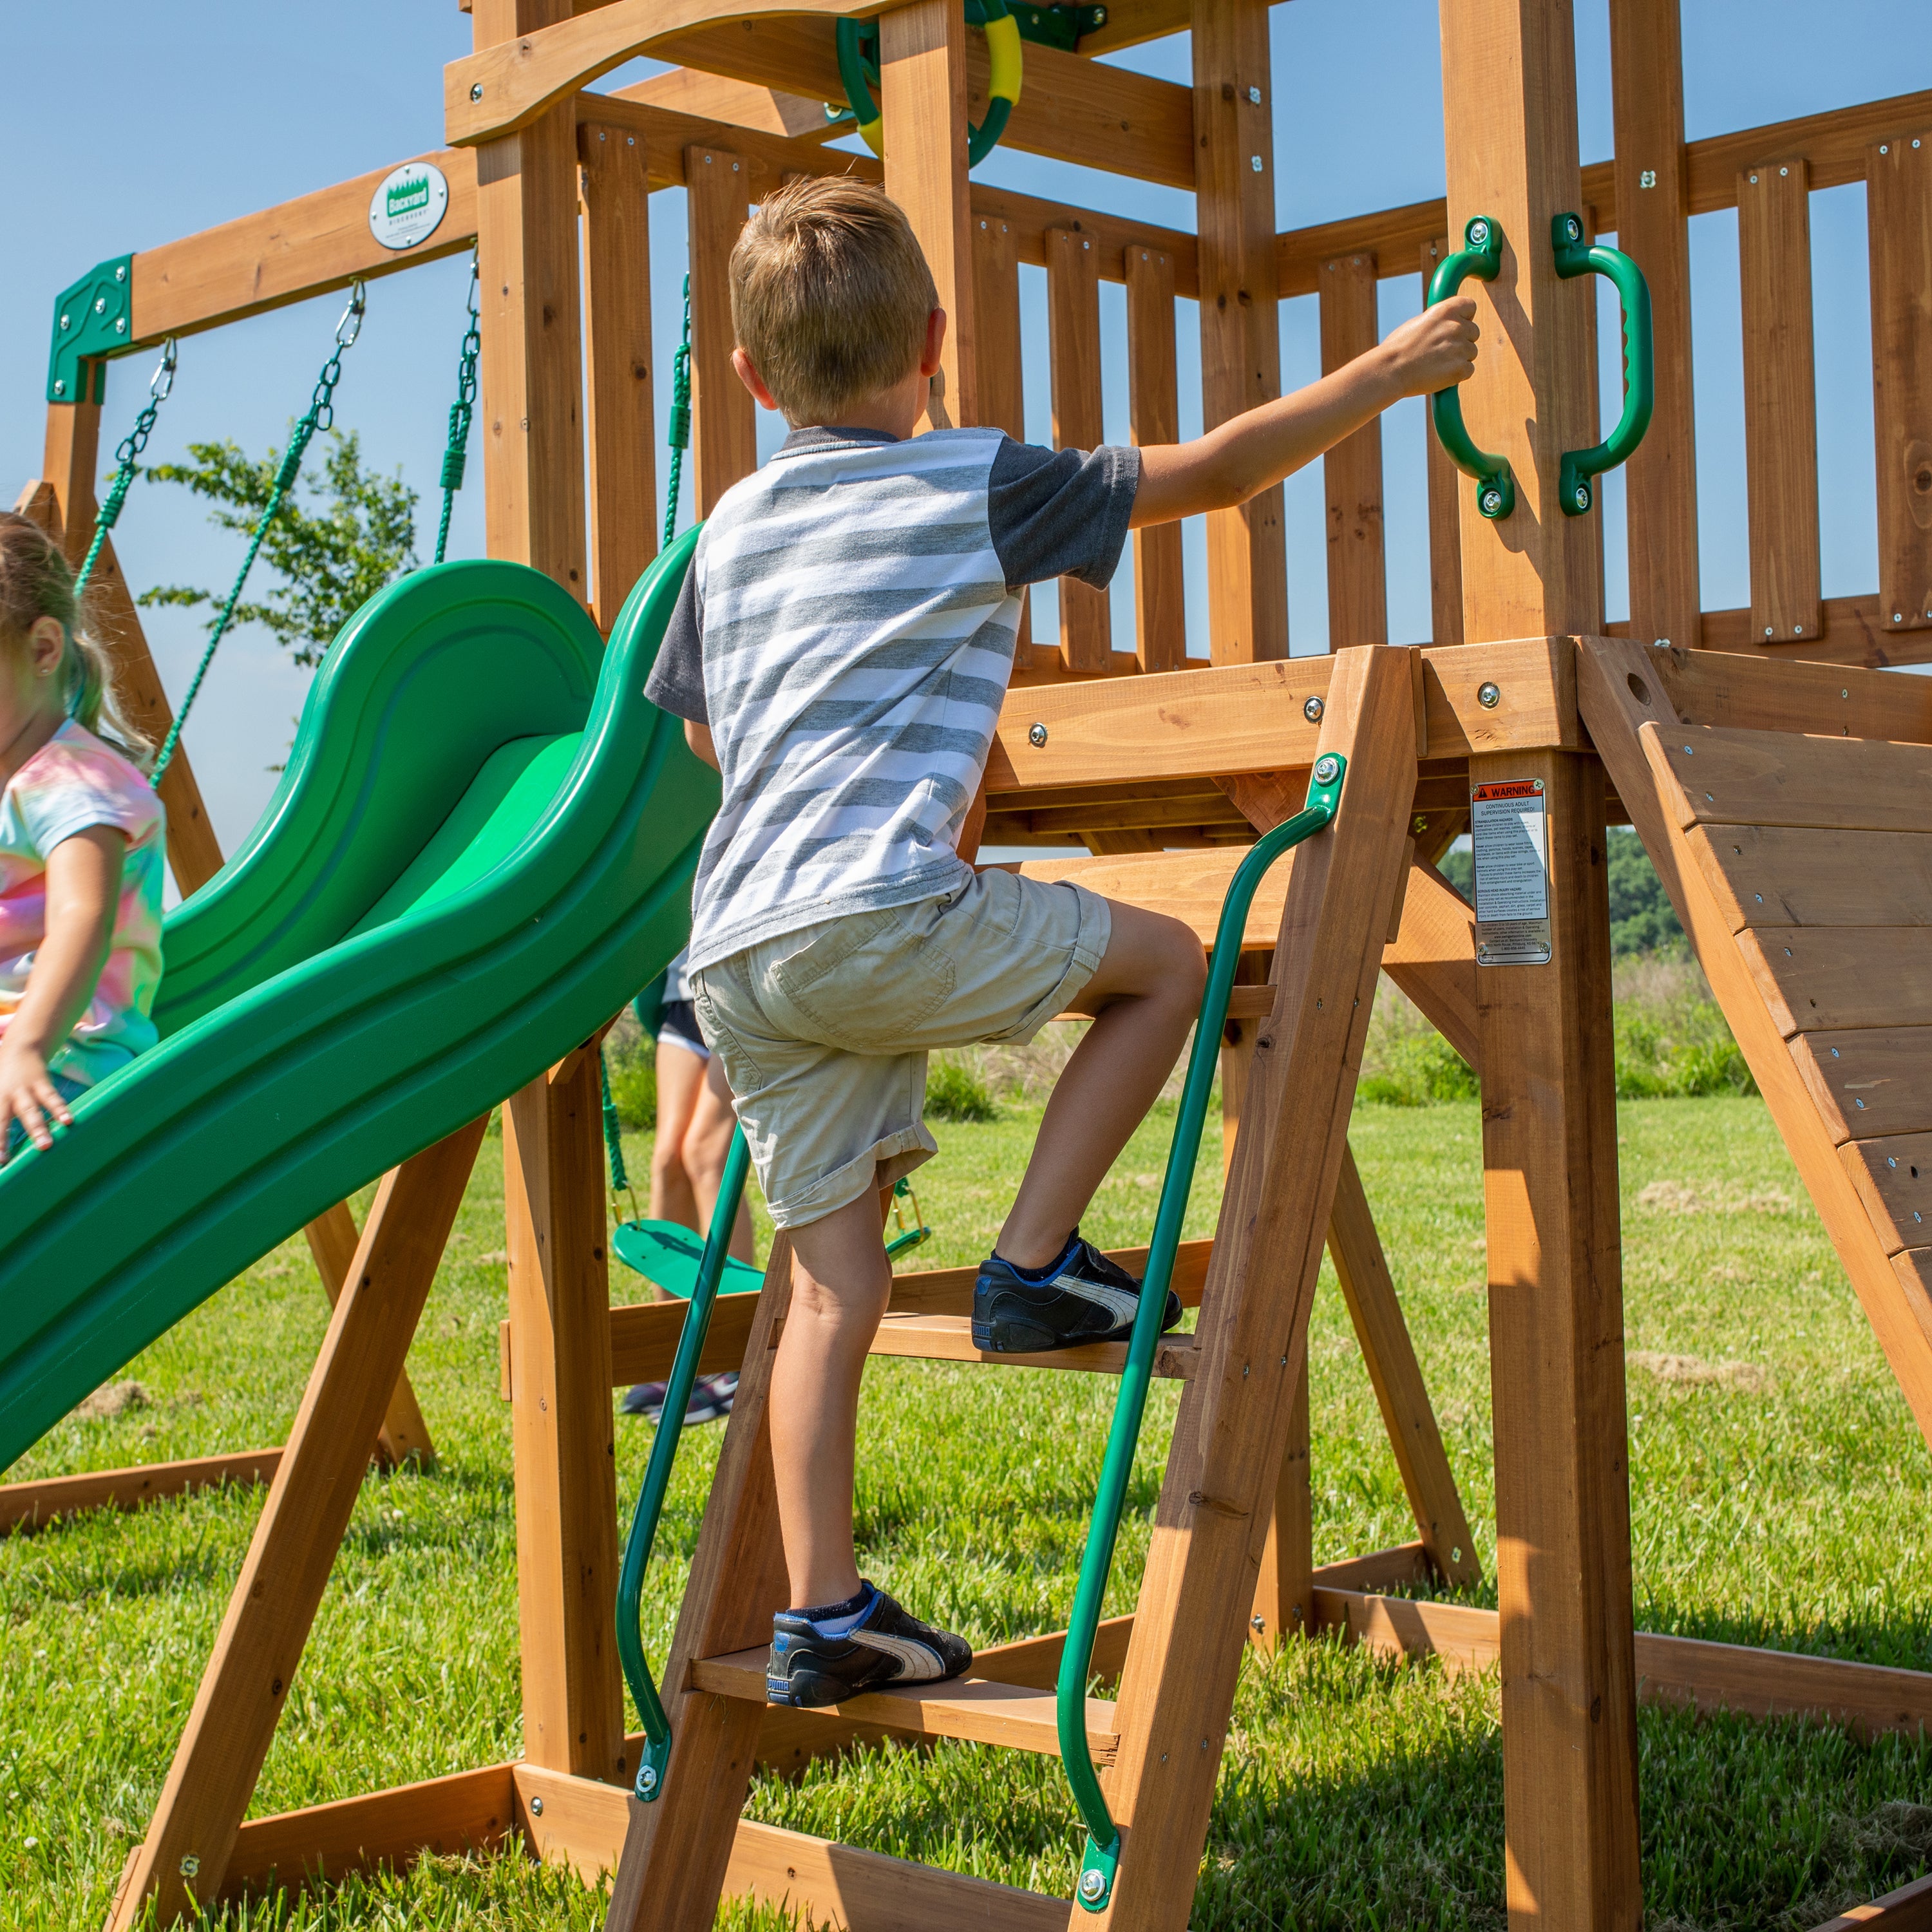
[(121, 273), (1488, 697), (1328, 769), (1254, 97), (476, 92), (1688, 753), (1092, 1885), (1582, 498), (60, 385), (190, 1865), (101, 304), (1647, 178), (1035, 734), (1797, 630), (536, 1807), (1259, 1623), (120, 325), (63, 322), (1537, 783), (1491, 502), (1573, 228), (1479, 235), (1312, 711), (1883, 148), (1255, 162), (1754, 181), (1769, 632), (1784, 171), (647, 1779), (1898, 617)]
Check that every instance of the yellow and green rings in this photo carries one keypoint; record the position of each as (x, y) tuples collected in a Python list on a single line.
[(858, 68)]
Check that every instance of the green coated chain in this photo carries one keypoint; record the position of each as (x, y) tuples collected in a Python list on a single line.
[(461, 412), (320, 415), (613, 1144), (128, 457), (680, 419)]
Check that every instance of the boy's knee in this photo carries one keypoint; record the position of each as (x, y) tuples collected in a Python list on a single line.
[(856, 1296)]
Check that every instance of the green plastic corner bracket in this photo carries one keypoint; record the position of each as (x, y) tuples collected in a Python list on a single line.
[(1481, 255), (93, 319), (1574, 257)]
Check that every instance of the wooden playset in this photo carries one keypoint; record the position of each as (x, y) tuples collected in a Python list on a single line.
[(1777, 777)]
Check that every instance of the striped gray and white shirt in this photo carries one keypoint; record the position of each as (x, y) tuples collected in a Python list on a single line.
[(846, 631)]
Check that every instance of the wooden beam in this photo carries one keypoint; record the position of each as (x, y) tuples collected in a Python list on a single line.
[(1833, 143), (1781, 398), (193, 1831), (1352, 471), (1907, 1910), (622, 422), (1153, 416), (1898, 213), (1073, 325), (997, 363), (1445, 535), (26, 1506), (1241, 341), (725, 439), (1654, 228), (922, 99), (562, 1424), (738, 104)]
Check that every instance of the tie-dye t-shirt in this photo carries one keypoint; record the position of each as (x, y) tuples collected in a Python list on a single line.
[(72, 782)]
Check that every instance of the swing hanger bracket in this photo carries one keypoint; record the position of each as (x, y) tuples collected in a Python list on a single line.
[(94, 318)]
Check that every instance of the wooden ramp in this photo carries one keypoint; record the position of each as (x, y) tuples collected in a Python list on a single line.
[(1800, 862)]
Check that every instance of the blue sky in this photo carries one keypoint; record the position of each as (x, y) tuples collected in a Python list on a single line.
[(144, 124)]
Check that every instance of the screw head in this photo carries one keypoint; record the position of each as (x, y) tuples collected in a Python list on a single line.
[(101, 304), (1259, 1623), (1092, 1885), (1488, 696), (1328, 769), (1583, 497), (190, 1865), (1573, 228), (476, 92), (1312, 711), (536, 1807), (1255, 162), (1254, 97), (60, 385), (1478, 235), (120, 325), (647, 1778), (64, 322), (1490, 501), (1035, 734)]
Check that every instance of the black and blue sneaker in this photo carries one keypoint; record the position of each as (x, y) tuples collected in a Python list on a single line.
[(871, 1646), (1082, 1298)]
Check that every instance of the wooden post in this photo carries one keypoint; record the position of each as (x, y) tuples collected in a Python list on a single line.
[(1445, 536), (1153, 416), (1073, 325), (532, 367), (923, 100), (1654, 228), (1781, 399), (1898, 205), (997, 372), (191, 1835), (617, 334), (1352, 470), (1241, 343), (1549, 1151), (562, 1422), (725, 436)]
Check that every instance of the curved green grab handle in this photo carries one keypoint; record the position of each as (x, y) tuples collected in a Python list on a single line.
[(1575, 257), (654, 1758), (1481, 255), (857, 46), (1076, 1657)]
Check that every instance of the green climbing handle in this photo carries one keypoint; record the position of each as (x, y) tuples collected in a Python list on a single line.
[(1576, 256), (1098, 1863), (1481, 255), (858, 47), (656, 1754)]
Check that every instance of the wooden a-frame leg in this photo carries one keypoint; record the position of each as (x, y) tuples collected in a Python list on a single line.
[(676, 1849), (191, 1835), (1210, 1526)]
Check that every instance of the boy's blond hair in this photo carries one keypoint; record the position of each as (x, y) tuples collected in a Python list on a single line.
[(829, 295)]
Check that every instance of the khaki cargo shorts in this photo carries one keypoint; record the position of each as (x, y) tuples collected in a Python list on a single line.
[(824, 1032)]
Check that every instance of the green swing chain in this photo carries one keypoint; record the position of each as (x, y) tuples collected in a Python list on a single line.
[(128, 457), (461, 412), (679, 438), (321, 415)]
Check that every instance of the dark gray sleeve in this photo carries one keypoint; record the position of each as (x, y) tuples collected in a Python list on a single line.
[(676, 682), (1061, 512)]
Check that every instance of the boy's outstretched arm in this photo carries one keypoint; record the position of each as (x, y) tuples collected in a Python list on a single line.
[(1259, 447)]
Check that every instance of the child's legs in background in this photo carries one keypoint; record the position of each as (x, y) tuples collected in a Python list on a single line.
[(680, 1083), (707, 1140)]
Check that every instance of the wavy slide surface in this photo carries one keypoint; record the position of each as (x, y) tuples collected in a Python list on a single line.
[(482, 846)]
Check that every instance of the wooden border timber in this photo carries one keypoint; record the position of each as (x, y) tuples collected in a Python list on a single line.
[(27, 1507)]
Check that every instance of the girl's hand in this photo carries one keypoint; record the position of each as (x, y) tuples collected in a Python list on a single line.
[(27, 1094), (1435, 350)]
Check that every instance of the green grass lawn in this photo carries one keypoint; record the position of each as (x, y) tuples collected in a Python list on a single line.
[(1779, 1497)]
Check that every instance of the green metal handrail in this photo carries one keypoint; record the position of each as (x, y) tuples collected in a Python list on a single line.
[(1575, 257), (1098, 1863), (1481, 255), (656, 1753)]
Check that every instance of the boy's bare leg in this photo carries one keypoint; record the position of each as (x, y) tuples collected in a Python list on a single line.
[(841, 1283), (707, 1140), (680, 1082), (1145, 996)]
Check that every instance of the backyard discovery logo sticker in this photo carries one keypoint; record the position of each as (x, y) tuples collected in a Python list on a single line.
[(408, 205)]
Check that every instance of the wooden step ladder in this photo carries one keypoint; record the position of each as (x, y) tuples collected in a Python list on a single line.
[(1160, 1740), (1800, 862)]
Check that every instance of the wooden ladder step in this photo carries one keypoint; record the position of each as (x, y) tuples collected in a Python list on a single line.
[(982, 1712), (949, 1338)]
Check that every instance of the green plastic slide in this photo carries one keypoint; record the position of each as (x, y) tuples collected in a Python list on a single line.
[(482, 847)]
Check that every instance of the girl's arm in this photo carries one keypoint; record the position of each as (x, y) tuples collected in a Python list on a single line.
[(83, 892)]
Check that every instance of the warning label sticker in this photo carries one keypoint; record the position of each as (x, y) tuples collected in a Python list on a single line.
[(1508, 829)]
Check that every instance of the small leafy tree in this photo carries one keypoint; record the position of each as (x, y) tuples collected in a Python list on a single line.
[(358, 533)]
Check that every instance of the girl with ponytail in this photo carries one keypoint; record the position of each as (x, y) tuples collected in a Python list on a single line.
[(81, 851)]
